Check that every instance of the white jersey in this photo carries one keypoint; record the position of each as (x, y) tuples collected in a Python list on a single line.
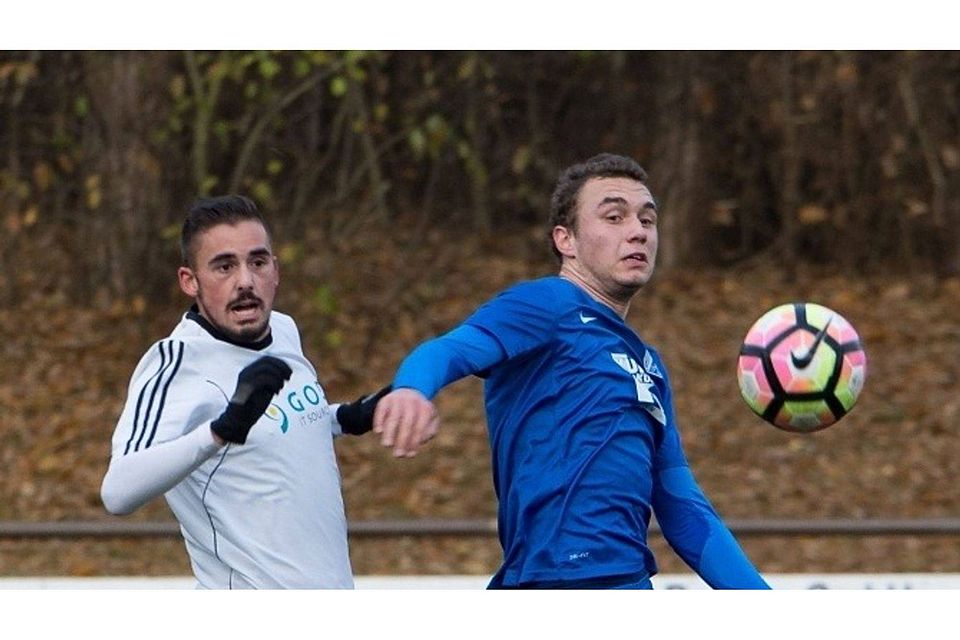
[(265, 514)]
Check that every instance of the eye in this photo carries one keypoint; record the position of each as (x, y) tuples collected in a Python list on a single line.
[(223, 267), (648, 221)]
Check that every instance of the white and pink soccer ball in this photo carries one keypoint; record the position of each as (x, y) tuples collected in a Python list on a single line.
[(802, 367)]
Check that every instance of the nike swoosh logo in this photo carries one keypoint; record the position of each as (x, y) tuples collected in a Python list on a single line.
[(802, 361), (585, 319)]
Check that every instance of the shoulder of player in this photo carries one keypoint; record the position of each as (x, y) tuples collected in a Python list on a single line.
[(202, 351), (654, 365), (285, 332), (189, 346), (284, 323), (542, 292), (160, 350), (566, 301), (159, 365), (183, 353)]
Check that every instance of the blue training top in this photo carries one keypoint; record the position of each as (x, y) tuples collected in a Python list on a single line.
[(583, 438)]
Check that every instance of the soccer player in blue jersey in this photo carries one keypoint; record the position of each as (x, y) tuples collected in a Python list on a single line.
[(581, 422)]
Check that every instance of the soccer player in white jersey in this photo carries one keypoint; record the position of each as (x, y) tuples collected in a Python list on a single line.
[(226, 419)]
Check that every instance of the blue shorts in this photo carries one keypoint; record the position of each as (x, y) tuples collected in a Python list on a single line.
[(630, 581)]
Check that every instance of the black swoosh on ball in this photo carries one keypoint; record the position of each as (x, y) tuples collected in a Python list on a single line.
[(803, 361)]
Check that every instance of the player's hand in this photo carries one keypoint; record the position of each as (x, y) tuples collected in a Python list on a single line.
[(357, 417), (405, 420), (257, 383)]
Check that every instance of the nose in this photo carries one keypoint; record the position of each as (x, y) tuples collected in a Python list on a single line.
[(637, 231), (244, 277)]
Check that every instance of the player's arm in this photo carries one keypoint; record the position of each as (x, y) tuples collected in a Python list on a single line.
[(356, 418), (689, 522), (145, 470), (695, 531), (135, 478), (406, 418), (515, 322)]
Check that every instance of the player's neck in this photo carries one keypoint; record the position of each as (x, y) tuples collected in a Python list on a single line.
[(620, 307)]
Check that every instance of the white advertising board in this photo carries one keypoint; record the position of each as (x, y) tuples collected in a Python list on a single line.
[(789, 581)]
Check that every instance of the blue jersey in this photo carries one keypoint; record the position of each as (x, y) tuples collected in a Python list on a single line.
[(583, 437)]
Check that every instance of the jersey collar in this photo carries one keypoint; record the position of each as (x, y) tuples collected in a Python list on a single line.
[(259, 345)]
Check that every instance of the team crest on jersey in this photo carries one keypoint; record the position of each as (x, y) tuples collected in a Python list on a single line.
[(644, 384), (650, 366)]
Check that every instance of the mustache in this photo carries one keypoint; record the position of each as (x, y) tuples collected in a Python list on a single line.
[(245, 298)]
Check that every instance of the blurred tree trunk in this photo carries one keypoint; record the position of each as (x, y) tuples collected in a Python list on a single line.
[(665, 162), (943, 208), (790, 176), (125, 204), (851, 251), (323, 143), (472, 153), (950, 154), (371, 156), (12, 193), (205, 84), (897, 216), (619, 96), (676, 172)]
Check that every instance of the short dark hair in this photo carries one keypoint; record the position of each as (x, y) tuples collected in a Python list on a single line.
[(209, 212), (563, 201)]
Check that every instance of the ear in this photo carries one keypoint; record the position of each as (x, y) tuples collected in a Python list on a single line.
[(565, 241), (188, 281)]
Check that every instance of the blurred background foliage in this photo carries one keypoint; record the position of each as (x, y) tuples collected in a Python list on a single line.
[(826, 157)]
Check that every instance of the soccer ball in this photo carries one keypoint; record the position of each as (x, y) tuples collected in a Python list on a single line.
[(801, 367)]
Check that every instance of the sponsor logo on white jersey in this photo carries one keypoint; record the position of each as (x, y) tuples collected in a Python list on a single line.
[(299, 407), (303, 407)]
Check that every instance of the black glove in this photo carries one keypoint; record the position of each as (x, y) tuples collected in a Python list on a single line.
[(257, 383), (357, 417)]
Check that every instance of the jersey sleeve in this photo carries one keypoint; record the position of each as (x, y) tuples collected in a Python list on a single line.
[(134, 479), (670, 448), (160, 436), (165, 400), (521, 319), (695, 531), (690, 524), (436, 363), (517, 321)]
